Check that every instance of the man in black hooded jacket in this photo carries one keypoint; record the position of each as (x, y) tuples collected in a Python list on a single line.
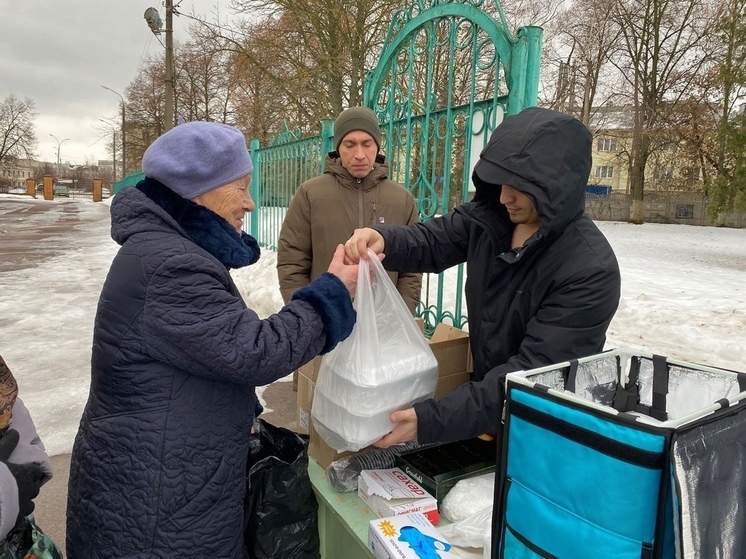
[(543, 282)]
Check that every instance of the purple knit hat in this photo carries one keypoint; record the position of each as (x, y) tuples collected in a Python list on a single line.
[(196, 157)]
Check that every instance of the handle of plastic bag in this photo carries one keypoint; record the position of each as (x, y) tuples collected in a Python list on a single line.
[(373, 276)]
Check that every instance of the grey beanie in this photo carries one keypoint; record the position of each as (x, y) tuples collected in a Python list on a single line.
[(356, 118), (196, 157)]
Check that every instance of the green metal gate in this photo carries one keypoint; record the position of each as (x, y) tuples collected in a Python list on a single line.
[(448, 72)]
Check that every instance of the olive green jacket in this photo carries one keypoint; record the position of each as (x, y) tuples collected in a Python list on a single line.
[(326, 210)]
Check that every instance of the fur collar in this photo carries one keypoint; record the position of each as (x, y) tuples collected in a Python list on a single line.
[(204, 227)]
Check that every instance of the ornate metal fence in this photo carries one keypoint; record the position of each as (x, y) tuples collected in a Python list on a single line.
[(280, 168), (448, 72)]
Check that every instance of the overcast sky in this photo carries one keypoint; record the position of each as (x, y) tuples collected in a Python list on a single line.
[(59, 54)]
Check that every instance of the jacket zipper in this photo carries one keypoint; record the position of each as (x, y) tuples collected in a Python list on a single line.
[(360, 218)]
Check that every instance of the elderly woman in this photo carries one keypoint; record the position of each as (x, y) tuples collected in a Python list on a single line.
[(159, 463)]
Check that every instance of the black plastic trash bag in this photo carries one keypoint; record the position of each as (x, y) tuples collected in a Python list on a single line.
[(281, 512)]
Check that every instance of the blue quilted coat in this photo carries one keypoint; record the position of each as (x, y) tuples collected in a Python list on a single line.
[(159, 462)]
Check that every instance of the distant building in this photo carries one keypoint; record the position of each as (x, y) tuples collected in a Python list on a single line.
[(670, 168), (15, 172)]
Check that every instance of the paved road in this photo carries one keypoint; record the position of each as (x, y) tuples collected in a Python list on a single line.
[(31, 233)]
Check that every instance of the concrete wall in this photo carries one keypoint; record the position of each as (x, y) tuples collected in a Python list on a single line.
[(685, 209)]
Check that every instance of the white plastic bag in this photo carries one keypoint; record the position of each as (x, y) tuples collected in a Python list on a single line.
[(385, 365), (472, 531), (468, 497), (469, 507)]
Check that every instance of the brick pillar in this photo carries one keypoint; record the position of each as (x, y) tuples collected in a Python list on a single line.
[(97, 190), (31, 187), (48, 188)]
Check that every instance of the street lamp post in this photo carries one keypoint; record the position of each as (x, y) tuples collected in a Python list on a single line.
[(124, 142), (59, 144), (169, 65), (155, 24), (113, 149)]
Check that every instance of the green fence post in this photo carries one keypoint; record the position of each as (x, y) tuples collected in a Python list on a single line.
[(327, 139), (255, 190), (533, 36), (517, 80)]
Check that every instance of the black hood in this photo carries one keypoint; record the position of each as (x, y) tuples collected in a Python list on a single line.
[(543, 154)]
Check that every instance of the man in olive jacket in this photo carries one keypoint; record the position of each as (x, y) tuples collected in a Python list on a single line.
[(543, 282), (353, 192)]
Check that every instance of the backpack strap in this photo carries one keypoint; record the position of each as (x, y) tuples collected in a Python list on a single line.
[(660, 388), (626, 396), (572, 376)]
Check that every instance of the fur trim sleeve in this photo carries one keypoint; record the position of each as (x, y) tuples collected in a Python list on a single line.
[(330, 298)]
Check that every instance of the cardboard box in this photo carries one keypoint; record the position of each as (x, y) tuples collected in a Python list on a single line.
[(410, 536), (438, 468), (451, 348), (311, 369), (322, 452), (305, 399), (393, 493)]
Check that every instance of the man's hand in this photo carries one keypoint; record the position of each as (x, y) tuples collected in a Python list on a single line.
[(357, 246), (28, 476), (405, 430)]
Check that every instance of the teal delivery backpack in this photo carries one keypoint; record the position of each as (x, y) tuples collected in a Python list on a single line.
[(622, 455)]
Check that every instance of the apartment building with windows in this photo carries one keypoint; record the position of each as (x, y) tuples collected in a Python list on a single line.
[(15, 172), (671, 167)]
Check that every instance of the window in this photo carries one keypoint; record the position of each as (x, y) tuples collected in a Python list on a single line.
[(604, 171), (607, 144), (684, 211)]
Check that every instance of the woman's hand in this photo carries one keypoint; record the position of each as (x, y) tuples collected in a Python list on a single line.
[(344, 270)]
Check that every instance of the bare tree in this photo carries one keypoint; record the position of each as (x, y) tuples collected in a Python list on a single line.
[(662, 47), (46, 168), (109, 131), (258, 105), (17, 130), (278, 52), (202, 82), (728, 45), (587, 38), (145, 107), (315, 53), (201, 89)]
